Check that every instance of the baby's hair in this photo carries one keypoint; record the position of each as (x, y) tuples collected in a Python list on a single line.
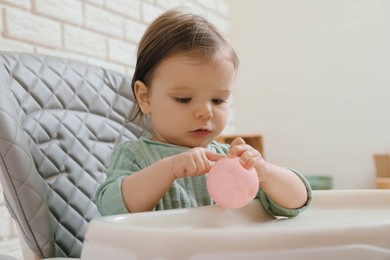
[(177, 32)]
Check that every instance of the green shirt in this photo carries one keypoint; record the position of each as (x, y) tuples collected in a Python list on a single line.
[(133, 156)]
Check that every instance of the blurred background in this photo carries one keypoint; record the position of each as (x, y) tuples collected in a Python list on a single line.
[(314, 76), (314, 81)]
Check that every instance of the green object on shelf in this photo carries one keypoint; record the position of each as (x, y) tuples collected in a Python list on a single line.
[(319, 182)]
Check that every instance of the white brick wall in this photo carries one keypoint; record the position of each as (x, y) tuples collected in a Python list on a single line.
[(85, 42), (25, 4), (103, 21), (88, 29), (150, 12), (1, 19), (101, 32), (130, 9), (134, 30), (24, 26), (70, 11), (121, 51)]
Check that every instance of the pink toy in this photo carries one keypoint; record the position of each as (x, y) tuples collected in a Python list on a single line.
[(230, 185)]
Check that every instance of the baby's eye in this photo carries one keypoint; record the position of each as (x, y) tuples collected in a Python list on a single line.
[(218, 101), (183, 100)]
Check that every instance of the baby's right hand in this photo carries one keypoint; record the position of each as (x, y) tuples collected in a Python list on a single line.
[(194, 162)]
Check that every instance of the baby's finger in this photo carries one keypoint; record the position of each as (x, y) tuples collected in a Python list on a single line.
[(238, 150), (213, 156), (237, 141), (252, 162), (250, 158), (245, 156), (190, 168), (201, 163)]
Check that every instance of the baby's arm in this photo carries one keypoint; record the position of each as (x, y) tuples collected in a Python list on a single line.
[(142, 190), (281, 185)]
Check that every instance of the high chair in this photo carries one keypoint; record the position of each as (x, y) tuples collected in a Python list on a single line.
[(59, 122)]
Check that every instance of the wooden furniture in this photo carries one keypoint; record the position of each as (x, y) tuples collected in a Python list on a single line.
[(382, 164), (383, 183), (254, 140)]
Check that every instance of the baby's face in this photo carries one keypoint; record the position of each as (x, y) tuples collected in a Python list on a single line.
[(188, 100)]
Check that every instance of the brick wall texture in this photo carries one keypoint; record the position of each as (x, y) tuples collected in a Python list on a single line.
[(100, 32)]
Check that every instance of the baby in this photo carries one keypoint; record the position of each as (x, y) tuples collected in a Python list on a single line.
[(182, 83)]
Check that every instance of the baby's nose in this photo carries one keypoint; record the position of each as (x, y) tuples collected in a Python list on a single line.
[(204, 111)]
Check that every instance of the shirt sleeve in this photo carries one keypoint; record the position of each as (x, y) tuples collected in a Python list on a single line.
[(277, 210), (109, 199)]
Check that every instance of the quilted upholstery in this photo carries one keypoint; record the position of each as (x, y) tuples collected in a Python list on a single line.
[(59, 122)]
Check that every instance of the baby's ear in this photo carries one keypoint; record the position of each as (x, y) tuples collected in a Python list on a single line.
[(142, 94)]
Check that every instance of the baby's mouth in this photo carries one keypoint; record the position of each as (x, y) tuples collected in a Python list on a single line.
[(201, 131)]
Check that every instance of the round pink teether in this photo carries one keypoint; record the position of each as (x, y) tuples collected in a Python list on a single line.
[(230, 185)]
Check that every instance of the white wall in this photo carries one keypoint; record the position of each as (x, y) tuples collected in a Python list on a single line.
[(314, 80)]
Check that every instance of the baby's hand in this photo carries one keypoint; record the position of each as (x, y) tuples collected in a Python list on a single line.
[(194, 162), (249, 156)]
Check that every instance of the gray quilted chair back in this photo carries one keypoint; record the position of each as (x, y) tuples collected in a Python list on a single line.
[(59, 122)]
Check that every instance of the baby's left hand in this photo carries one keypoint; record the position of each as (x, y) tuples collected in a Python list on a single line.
[(249, 156)]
